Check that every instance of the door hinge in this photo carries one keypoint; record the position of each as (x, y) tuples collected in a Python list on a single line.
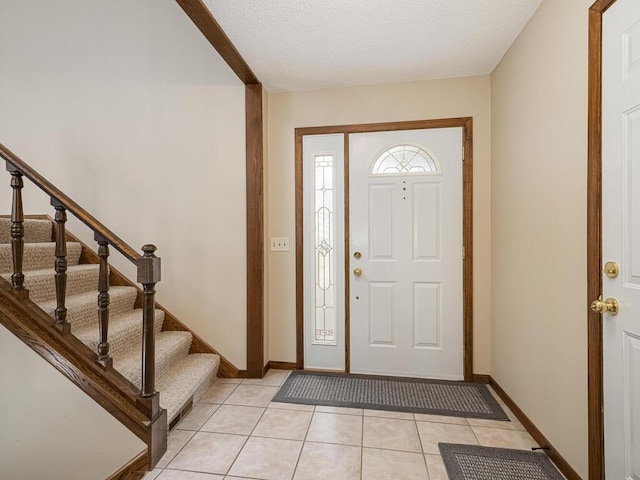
[(463, 253)]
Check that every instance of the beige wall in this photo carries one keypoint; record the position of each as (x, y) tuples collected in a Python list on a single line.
[(410, 101), (128, 109), (50, 428), (538, 211)]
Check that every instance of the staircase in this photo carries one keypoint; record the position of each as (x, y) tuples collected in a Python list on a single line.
[(180, 376), (94, 325)]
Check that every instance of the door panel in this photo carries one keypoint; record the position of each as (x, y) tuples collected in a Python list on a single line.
[(426, 315), (631, 173), (621, 236), (406, 309), (631, 354), (381, 224), (381, 314), (426, 221)]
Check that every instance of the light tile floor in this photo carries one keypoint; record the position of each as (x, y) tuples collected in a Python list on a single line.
[(236, 432)]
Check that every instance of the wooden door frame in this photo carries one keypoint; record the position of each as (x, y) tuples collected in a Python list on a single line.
[(594, 242), (467, 224)]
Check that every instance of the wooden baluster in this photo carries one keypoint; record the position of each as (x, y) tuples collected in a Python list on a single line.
[(17, 232), (103, 304), (148, 276), (60, 316)]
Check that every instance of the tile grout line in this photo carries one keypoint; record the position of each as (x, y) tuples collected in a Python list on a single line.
[(426, 467), (362, 448), (304, 441), (247, 439)]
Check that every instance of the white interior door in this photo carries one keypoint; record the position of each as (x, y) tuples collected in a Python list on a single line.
[(621, 237), (323, 257), (405, 216)]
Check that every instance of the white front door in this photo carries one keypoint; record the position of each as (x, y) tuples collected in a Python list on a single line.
[(621, 237), (405, 216)]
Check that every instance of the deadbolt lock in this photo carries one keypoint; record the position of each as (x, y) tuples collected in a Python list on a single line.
[(611, 269), (610, 305), (357, 255)]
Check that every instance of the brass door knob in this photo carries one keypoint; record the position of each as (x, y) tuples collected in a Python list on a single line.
[(357, 272), (610, 305)]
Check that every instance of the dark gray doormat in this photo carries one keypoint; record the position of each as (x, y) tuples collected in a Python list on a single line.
[(400, 394), (471, 462)]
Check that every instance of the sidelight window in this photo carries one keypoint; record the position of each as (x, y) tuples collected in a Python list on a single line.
[(325, 296)]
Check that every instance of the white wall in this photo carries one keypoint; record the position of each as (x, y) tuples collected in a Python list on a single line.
[(399, 102), (127, 108), (539, 198), (50, 428)]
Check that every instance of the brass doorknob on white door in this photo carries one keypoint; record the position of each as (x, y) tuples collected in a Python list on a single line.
[(610, 305), (357, 272)]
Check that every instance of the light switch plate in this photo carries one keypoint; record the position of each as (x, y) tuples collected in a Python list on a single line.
[(279, 244)]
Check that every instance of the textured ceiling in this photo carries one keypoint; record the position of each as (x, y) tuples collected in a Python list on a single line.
[(311, 44)]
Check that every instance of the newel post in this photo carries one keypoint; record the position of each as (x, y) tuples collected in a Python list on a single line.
[(17, 232), (148, 276)]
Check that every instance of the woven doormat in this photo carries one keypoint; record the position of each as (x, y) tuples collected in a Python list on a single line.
[(471, 462), (416, 395)]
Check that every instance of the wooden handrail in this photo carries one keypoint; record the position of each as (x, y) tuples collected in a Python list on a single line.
[(61, 198)]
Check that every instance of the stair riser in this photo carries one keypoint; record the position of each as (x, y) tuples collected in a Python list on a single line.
[(86, 315), (126, 339), (35, 231), (189, 378), (163, 363), (38, 256), (42, 287)]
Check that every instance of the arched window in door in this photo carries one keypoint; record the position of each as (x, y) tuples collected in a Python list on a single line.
[(406, 159)]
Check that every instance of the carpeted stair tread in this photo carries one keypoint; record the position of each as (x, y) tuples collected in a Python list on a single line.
[(82, 309), (125, 332), (35, 231), (38, 256), (190, 377), (42, 287), (171, 347)]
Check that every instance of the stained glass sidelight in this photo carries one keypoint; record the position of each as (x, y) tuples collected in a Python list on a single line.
[(325, 298), (403, 159)]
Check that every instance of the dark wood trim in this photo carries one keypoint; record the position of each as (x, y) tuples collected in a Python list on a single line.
[(594, 243), (566, 469), (467, 261), (134, 470), (481, 378), (385, 126), (467, 125), (201, 16), (299, 199), (255, 231), (281, 365)]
